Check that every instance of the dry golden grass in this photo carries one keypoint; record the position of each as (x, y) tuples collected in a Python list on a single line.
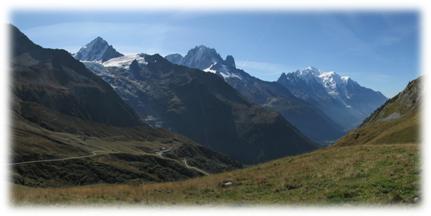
[(373, 174)]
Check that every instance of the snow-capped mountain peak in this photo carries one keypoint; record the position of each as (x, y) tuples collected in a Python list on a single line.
[(345, 78), (201, 57), (311, 69), (331, 81), (208, 60), (333, 92), (328, 79), (306, 73)]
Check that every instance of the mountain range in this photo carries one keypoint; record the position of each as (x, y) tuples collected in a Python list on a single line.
[(71, 128), (376, 164), (310, 121), (323, 106), (201, 106), (339, 97)]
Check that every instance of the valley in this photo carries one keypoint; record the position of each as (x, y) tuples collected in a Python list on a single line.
[(201, 106), (100, 127), (357, 173)]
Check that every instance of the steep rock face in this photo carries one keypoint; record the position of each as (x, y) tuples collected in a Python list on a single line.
[(202, 107), (97, 50), (339, 97), (396, 121), (230, 61), (200, 57), (309, 120), (174, 58)]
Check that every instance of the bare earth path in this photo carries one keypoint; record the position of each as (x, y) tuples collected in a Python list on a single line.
[(160, 154), (194, 168), (93, 154), (98, 153)]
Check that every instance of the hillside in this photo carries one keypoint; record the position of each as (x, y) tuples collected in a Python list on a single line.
[(362, 174), (69, 127), (382, 168), (397, 121)]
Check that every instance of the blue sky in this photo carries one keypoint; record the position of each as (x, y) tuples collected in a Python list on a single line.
[(378, 49)]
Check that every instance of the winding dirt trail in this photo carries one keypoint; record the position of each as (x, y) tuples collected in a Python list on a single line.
[(93, 154), (194, 168), (184, 162), (98, 153)]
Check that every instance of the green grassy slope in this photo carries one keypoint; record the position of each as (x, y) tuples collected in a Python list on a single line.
[(397, 121), (374, 174), (126, 155)]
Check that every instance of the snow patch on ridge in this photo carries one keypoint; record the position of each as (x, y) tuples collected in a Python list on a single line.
[(222, 70), (210, 70), (329, 81), (230, 75), (125, 61)]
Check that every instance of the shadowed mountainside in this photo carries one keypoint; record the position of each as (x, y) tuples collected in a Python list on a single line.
[(272, 95), (202, 107), (70, 128)]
